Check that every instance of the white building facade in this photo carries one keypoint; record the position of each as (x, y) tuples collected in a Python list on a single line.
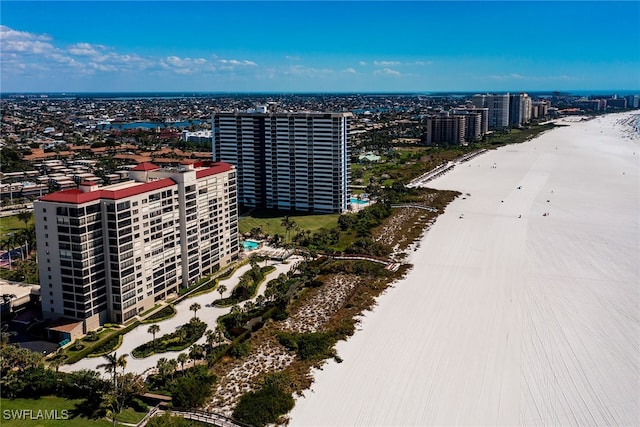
[(106, 254), (498, 109), (287, 161)]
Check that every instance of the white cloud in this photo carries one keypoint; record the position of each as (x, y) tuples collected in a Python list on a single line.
[(350, 71), (292, 58), (386, 63), (399, 63), (85, 49), (236, 62), (504, 76), (363, 63), (387, 72), (186, 66), (516, 76), (304, 71), (22, 52), (23, 42)]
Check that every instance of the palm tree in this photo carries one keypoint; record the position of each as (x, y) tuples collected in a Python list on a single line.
[(182, 359), (219, 335), (195, 307), (221, 290), (253, 262), (166, 368), (56, 362), (122, 362), (288, 225), (25, 216), (153, 330), (196, 352), (111, 366), (173, 366), (211, 338)]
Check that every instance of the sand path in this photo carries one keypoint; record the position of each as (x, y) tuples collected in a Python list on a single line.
[(506, 320)]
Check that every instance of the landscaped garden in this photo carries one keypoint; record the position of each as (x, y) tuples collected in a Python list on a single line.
[(179, 340)]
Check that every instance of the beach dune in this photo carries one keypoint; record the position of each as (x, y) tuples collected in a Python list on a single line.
[(523, 305)]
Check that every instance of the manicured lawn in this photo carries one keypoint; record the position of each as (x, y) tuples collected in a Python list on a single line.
[(270, 222), (48, 404), (54, 407), (130, 416), (10, 223)]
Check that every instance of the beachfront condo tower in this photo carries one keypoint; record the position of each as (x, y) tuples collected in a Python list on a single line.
[(519, 109), (287, 161), (498, 105), (106, 254)]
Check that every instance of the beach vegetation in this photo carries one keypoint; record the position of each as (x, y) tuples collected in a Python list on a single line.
[(192, 389), (309, 346), (268, 403)]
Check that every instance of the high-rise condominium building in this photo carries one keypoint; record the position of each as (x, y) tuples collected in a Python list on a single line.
[(498, 106), (473, 122), (519, 109), (106, 254), (445, 129), (540, 109), (288, 161)]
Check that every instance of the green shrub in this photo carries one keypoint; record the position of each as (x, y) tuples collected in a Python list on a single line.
[(179, 340), (265, 405), (307, 346), (240, 350), (166, 313), (107, 347), (193, 389)]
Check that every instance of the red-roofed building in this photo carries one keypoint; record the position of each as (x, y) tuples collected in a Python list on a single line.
[(108, 253)]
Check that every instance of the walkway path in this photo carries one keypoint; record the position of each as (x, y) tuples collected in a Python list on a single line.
[(208, 314)]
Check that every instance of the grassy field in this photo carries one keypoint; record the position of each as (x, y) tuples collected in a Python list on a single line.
[(270, 222), (10, 223), (63, 408)]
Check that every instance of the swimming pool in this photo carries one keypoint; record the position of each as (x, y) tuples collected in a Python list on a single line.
[(250, 245), (358, 202)]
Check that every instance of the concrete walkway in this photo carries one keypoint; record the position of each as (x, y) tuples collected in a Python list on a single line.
[(208, 314)]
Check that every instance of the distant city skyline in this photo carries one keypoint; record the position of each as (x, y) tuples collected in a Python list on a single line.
[(373, 46)]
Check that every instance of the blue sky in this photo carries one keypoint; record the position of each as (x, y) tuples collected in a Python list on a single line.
[(302, 46)]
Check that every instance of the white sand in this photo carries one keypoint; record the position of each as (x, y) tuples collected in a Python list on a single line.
[(506, 320)]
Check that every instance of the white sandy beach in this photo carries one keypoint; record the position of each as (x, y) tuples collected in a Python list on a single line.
[(507, 320)]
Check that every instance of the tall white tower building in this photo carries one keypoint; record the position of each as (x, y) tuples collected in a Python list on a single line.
[(106, 254), (288, 161)]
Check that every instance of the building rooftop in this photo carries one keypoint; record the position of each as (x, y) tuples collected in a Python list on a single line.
[(131, 188)]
